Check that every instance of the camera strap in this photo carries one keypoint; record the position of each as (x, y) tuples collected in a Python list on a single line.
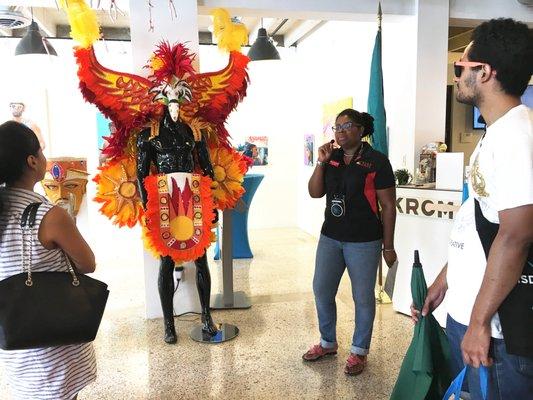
[(341, 186)]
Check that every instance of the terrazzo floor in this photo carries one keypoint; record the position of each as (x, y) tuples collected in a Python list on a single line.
[(264, 361)]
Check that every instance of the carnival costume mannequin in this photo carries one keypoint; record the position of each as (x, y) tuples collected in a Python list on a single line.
[(173, 149), (169, 163)]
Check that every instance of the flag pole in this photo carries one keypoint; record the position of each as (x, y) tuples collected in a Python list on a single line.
[(381, 297), (380, 15)]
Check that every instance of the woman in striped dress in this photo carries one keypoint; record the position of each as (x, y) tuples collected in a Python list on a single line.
[(57, 373)]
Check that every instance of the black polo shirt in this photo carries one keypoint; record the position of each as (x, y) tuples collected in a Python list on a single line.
[(358, 181)]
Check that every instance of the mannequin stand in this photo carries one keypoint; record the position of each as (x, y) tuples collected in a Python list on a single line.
[(228, 299)]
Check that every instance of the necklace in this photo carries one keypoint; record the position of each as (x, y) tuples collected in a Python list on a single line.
[(359, 150)]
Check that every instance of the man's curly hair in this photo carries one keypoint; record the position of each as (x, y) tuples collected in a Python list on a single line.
[(507, 46)]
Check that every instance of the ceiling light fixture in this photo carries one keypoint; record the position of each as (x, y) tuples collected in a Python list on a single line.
[(33, 42), (263, 48)]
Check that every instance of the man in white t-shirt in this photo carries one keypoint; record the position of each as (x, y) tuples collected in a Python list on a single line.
[(492, 74)]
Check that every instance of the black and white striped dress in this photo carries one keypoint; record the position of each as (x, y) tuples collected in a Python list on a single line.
[(57, 373)]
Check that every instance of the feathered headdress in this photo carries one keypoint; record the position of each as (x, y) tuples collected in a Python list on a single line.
[(230, 35), (171, 61)]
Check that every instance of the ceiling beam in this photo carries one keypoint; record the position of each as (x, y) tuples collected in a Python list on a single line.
[(307, 9), (123, 5), (460, 41), (301, 31), (39, 15)]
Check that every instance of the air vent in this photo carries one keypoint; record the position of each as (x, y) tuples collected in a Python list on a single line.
[(13, 19)]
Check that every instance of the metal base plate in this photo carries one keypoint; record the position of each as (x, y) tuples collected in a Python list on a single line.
[(240, 301), (225, 332)]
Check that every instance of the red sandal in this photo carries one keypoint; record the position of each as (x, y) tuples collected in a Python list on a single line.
[(317, 352), (355, 364)]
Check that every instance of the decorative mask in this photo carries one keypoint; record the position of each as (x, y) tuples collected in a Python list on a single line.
[(17, 109), (173, 94), (65, 182)]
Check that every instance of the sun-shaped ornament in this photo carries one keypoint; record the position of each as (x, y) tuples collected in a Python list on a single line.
[(117, 190), (229, 167)]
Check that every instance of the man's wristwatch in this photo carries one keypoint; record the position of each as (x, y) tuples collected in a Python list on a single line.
[(319, 163)]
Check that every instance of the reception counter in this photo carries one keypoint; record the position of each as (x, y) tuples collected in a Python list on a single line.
[(424, 222)]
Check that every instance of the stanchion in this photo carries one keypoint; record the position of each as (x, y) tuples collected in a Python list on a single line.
[(228, 299)]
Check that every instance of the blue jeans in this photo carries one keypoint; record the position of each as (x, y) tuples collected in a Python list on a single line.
[(510, 377), (361, 259)]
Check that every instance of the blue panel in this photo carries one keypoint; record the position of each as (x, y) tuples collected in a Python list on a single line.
[(241, 244)]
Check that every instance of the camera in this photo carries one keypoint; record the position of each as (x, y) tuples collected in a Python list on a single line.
[(337, 205)]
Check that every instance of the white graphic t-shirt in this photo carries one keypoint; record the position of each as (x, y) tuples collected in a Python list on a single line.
[(501, 177)]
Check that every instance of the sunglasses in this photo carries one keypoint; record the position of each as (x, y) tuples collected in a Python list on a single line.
[(458, 66), (344, 127)]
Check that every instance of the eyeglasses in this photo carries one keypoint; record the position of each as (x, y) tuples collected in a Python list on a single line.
[(459, 65), (346, 126)]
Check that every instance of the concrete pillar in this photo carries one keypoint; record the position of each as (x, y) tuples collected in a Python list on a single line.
[(431, 72), (183, 29)]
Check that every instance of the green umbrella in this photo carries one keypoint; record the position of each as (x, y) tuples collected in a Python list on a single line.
[(424, 374)]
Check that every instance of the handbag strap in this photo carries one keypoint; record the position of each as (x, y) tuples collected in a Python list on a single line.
[(27, 223), (457, 383), (29, 215)]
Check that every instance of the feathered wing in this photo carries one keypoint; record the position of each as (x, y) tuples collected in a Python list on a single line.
[(215, 96), (123, 98)]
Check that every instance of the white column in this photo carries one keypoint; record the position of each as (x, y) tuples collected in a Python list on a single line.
[(183, 29), (431, 72)]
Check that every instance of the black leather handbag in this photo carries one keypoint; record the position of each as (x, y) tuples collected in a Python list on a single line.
[(45, 309)]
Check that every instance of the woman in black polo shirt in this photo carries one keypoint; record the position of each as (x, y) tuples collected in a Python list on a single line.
[(355, 178)]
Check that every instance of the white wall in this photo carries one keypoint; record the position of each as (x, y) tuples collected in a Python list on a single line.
[(487, 9), (270, 109), (431, 72), (50, 88), (334, 63)]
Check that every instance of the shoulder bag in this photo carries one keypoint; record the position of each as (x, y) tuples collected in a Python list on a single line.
[(45, 309)]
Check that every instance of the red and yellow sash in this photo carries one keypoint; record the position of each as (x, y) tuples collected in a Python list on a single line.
[(179, 215)]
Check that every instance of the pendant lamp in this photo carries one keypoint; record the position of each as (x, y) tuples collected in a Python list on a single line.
[(34, 43), (263, 48)]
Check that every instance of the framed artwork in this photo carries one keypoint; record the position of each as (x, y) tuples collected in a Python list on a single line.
[(309, 149), (255, 147), (329, 113)]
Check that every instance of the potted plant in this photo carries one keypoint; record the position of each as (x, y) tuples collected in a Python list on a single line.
[(403, 177)]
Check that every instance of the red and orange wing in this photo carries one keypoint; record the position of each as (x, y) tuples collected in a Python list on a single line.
[(123, 98), (216, 94)]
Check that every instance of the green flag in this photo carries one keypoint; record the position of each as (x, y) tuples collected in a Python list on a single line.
[(376, 104)]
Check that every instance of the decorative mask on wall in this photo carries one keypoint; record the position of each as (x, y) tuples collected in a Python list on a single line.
[(65, 182)]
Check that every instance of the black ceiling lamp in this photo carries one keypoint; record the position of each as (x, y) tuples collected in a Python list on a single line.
[(33, 42), (263, 48)]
